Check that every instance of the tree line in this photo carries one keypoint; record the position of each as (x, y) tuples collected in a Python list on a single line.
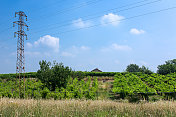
[(167, 68)]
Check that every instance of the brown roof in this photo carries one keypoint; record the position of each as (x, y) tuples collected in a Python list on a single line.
[(96, 70)]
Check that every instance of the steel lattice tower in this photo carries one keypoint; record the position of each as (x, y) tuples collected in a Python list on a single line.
[(20, 63)]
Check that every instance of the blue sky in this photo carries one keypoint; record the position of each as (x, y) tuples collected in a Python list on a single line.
[(85, 35)]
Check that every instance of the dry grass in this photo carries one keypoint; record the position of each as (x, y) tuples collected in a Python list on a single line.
[(83, 108)]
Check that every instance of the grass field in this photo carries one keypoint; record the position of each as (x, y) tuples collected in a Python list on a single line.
[(84, 108)]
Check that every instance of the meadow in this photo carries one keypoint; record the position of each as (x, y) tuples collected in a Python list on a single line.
[(97, 95), (84, 108)]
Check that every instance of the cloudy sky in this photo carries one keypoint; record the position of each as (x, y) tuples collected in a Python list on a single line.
[(88, 34)]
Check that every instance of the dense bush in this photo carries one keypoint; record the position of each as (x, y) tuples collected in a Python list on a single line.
[(53, 75), (78, 74)]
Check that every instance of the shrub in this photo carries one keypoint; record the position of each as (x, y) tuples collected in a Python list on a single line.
[(53, 76)]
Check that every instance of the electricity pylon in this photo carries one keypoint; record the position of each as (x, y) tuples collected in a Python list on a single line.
[(20, 63)]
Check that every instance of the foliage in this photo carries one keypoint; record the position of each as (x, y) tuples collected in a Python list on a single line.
[(36, 89), (161, 83), (78, 74), (100, 73), (145, 70), (53, 76), (133, 68), (130, 84), (167, 68), (136, 68), (125, 84), (75, 74), (13, 76)]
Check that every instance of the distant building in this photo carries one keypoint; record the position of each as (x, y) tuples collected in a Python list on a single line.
[(96, 70)]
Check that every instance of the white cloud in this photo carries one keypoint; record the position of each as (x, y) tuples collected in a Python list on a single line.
[(120, 47), (117, 47), (80, 23), (52, 42), (136, 31), (84, 48), (112, 19), (29, 45), (67, 54), (75, 50)]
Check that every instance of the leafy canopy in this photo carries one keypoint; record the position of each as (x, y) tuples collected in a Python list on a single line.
[(136, 68), (133, 68), (53, 75), (167, 68)]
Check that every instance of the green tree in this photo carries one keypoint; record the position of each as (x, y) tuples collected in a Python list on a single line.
[(168, 67), (145, 70), (136, 68), (53, 75), (133, 68), (44, 73)]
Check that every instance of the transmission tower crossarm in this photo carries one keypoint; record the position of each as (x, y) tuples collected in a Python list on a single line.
[(20, 63)]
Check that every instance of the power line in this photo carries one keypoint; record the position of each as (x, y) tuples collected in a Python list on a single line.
[(97, 16), (81, 5), (119, 20), (134, 3), (66, 24), (73, 8), (91, 1), (63, 11), (38, 9), (110, 22), (50, 5)]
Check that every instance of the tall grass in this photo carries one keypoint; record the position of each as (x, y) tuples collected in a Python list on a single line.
[(84, 108)]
